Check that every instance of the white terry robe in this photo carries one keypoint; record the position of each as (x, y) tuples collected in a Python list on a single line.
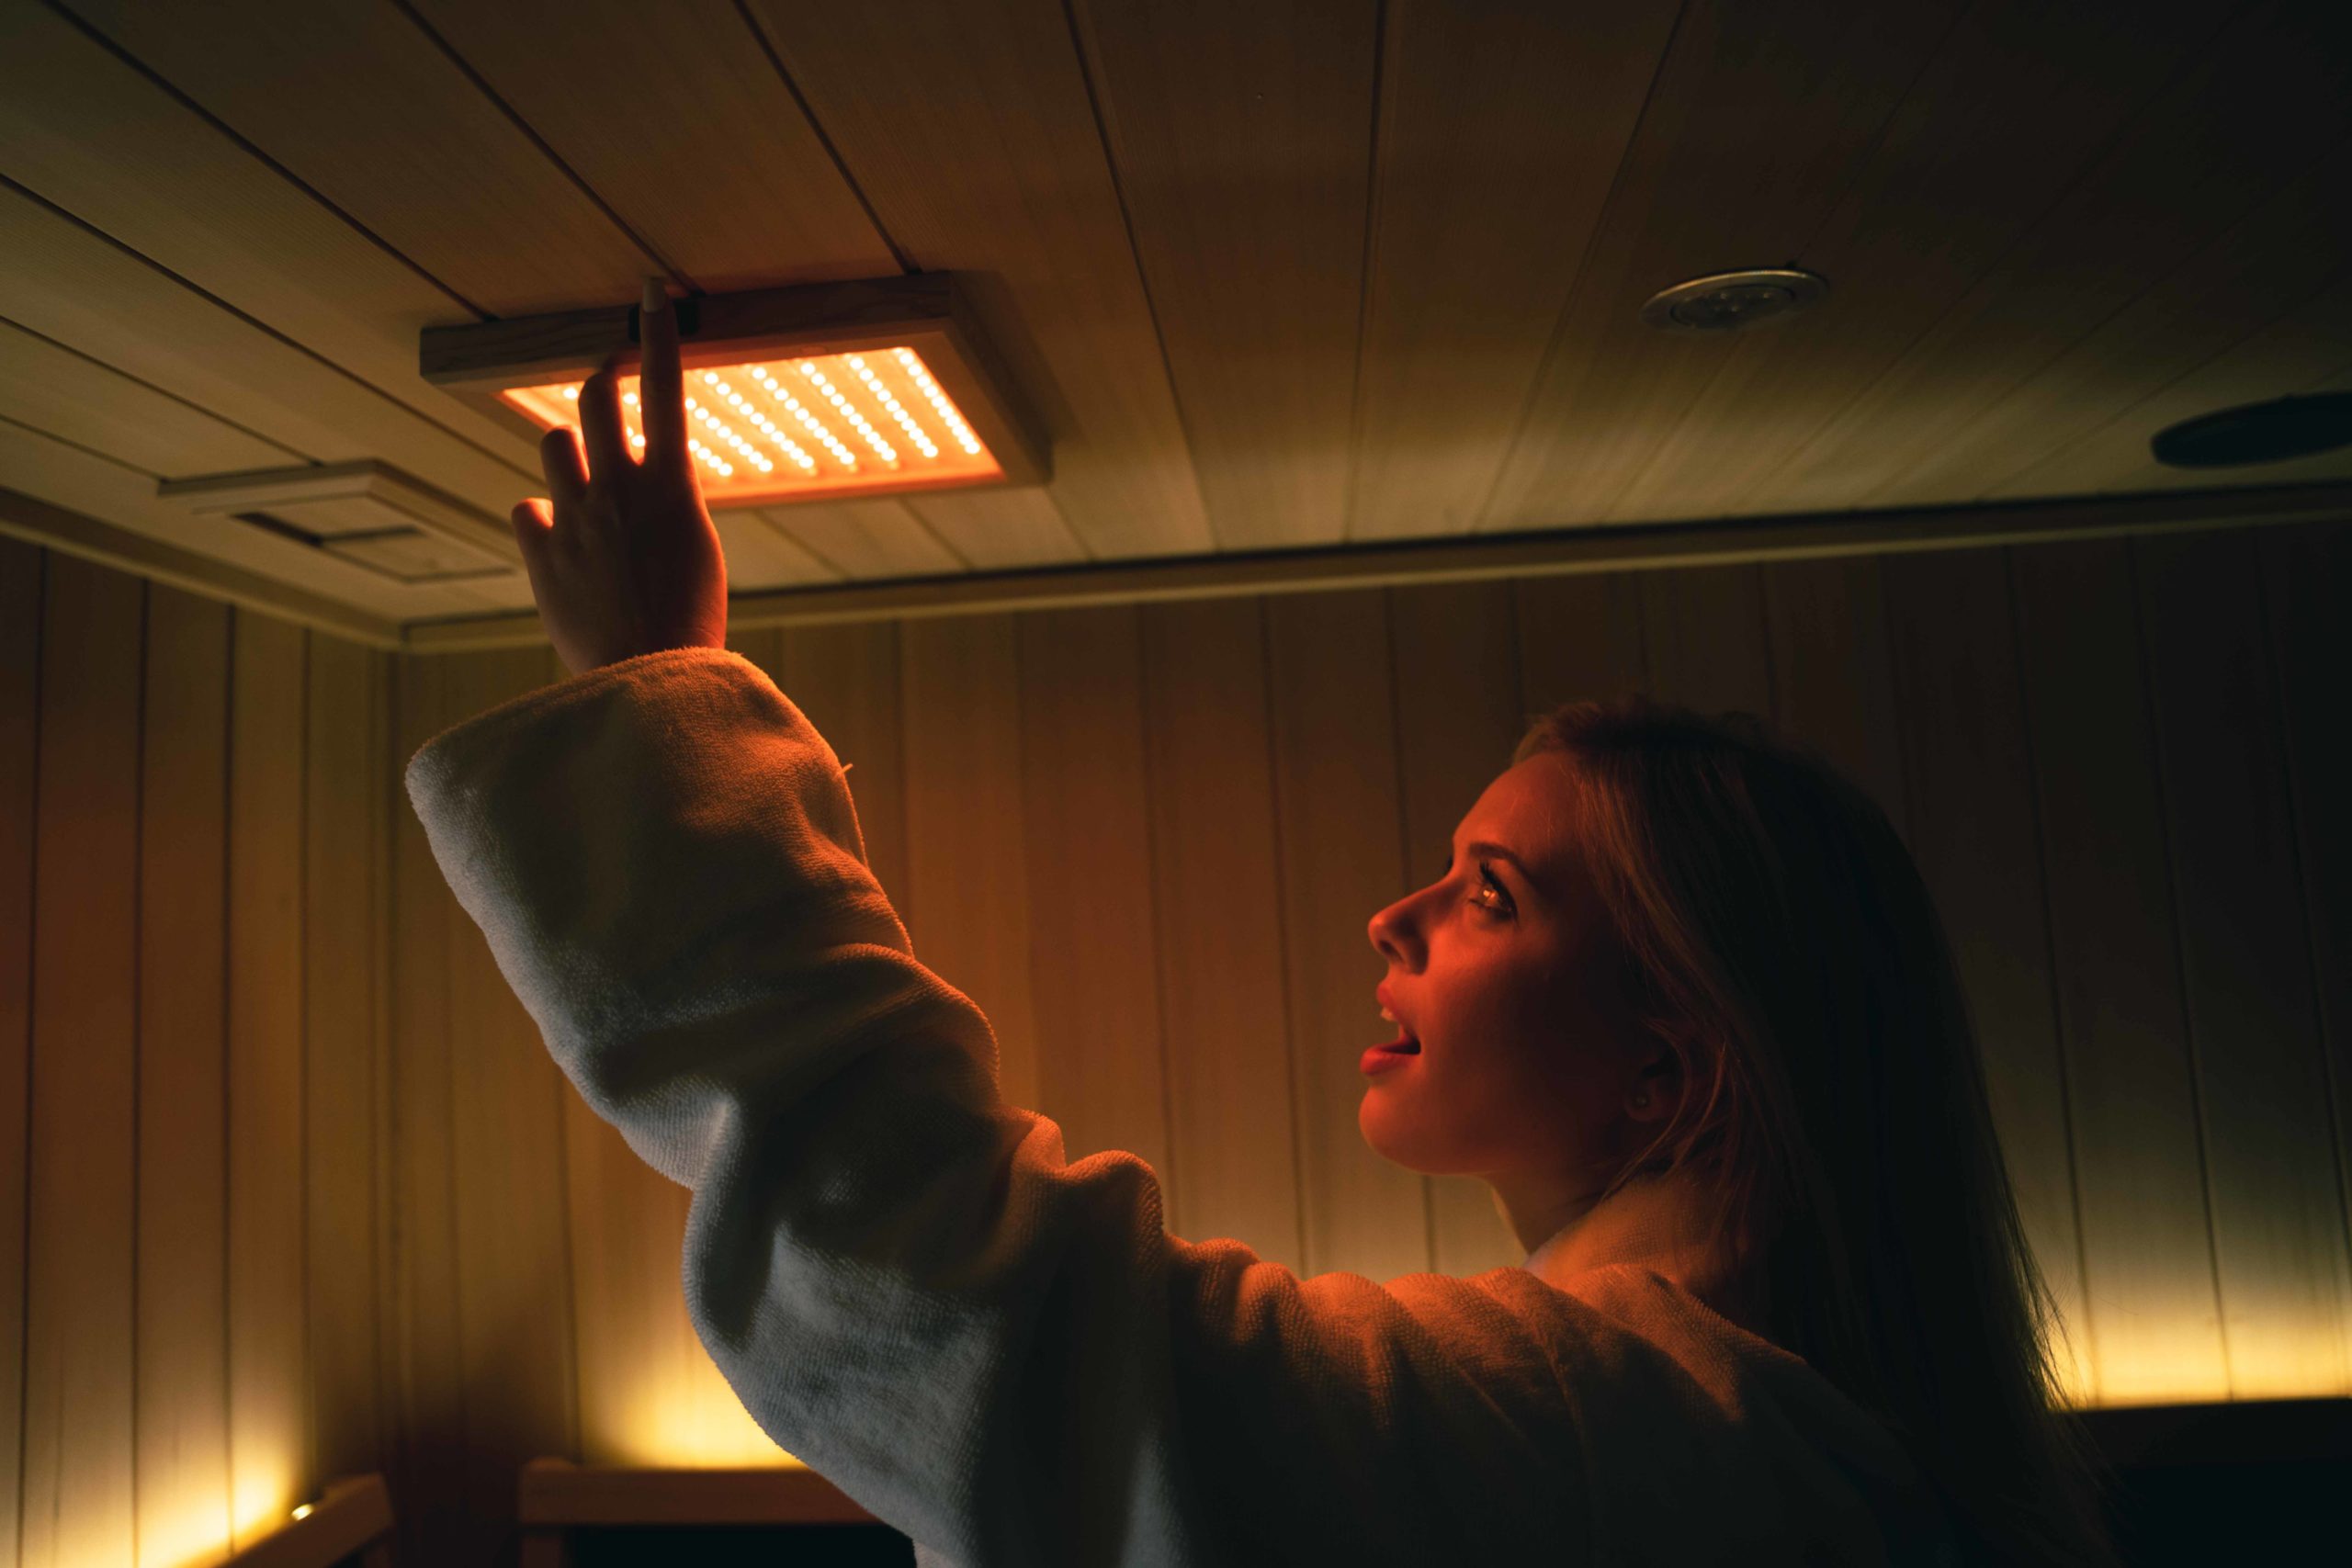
[(1005, 1356)]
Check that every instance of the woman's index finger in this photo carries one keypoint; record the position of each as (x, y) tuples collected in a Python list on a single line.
[(660, 395)]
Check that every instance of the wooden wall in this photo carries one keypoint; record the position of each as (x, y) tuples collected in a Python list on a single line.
[(300, 1192)]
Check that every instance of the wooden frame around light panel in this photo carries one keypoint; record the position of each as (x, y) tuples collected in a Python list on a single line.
[(928, 312)]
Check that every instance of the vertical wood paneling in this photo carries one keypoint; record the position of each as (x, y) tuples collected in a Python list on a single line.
[(2307, 578), (1969, 797), (1086, 828), (1833, 682), (1703, 633), (966, 904), (183, 1486), (21, 568), (1456, 675), (428, 1392), (2140, 1158), (1338, 803), (1579, 638), (1216, 885), (347, 771), (2278, 1238), (506, 1127), (81, 1239), (268, 1405)]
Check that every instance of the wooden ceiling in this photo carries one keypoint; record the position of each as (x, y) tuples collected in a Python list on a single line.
[(1271, 275)]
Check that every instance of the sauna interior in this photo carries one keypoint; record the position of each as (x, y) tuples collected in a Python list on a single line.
[(1359, 443)]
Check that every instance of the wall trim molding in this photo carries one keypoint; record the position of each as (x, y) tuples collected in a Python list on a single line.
[(1469, 558)]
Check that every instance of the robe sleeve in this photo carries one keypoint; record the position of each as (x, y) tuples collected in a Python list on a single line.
[(999, 1353)]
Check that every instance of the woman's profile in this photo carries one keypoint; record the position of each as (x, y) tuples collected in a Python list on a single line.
[(1679, 997)]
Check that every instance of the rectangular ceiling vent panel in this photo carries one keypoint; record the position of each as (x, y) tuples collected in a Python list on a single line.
[(368, 514), (823, 391)]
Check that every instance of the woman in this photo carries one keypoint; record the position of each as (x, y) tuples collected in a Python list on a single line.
[(1679, 997)]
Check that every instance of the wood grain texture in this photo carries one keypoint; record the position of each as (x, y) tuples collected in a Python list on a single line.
[(1804, 97), (1963, 171), (1086, 814), (1241, 135), (2255, 314), (845, 679), (361, 105), (1486, 200), (1580, 640), (985, 157), (74, 286), (1456, 675), (2140, 1167), (346, 772), (47, 388), (765, 203), (1833, 685), (514, 1317), (1969, 807), (2183, 171), (966, 903), (268, 1372), (1216, 890), (2306, 573), (81, 1241), (1338, 814), (2262, 1079), (21, 570), (182, 1502), (427, 1398), (865, 538), (1703, 631), (91, 133)]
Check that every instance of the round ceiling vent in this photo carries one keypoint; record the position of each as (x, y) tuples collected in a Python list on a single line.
[(1723, 300), (2257, 432)]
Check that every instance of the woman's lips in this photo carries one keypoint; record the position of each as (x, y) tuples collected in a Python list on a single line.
[(1396, 1053)]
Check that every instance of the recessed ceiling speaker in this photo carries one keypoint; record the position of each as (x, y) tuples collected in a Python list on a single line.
[(1723, 301), (2257, 432)]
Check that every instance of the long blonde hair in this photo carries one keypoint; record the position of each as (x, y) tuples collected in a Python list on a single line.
[(1785, 950)]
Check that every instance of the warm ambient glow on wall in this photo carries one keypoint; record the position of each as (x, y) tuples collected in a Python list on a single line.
[(792, 394)]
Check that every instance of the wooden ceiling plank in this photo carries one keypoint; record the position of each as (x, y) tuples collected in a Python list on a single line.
[(1487, 196), (2205, 153), (866, 538), (2286, 260), (1920, 227), (75, 287), (363, 107), (1760, 119), (2307, 350), (985, 158), (58, 392), (91, 135), (1241, 134), (49, 470), (715, 166), (759, 556)]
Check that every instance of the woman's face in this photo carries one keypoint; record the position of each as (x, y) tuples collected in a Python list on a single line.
[(1506, 969)]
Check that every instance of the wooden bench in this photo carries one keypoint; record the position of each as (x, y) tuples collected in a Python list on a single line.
[(353, 1519), (558, 1496)]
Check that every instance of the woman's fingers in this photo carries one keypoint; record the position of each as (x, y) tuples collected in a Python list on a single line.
[(600, 423), (559, 460), (659, 395)]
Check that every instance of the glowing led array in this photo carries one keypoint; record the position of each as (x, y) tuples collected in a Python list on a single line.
[(817, 426), (939, 403)]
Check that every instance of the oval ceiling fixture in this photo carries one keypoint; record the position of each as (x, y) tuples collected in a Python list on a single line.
[(2257, 432), (1722, 300)]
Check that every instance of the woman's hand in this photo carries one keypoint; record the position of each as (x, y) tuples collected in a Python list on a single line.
[(629, 562)]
